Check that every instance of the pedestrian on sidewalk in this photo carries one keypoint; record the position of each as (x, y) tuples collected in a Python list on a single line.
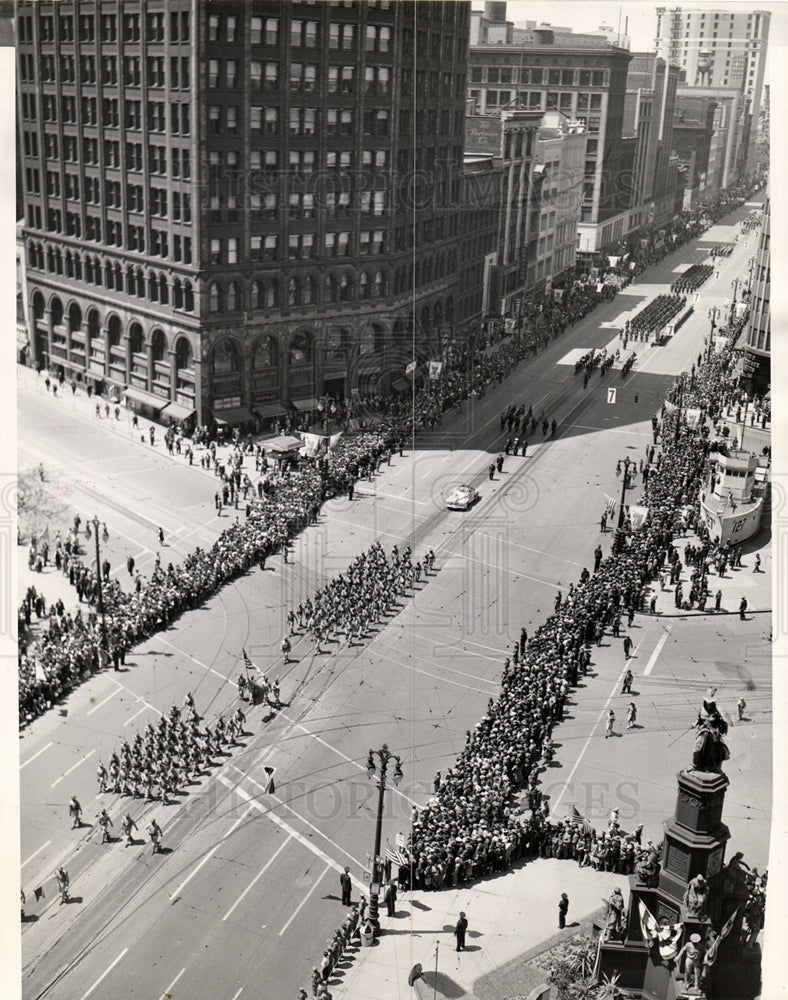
[(632, 714), (611, 718), (743, 608), (741, 704), (717, 600), (459, 931), (757, 568), (390, 898), (161, 536), (627, 646), (563, 906), (345, 885), (626, 687)]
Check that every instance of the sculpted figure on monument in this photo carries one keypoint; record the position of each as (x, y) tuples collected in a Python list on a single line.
[(648, 866), (710, 748), (695, 897)]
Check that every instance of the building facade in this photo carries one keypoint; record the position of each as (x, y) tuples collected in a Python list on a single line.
[(718, 48), (234, 208), (545, 68), (758, 343)]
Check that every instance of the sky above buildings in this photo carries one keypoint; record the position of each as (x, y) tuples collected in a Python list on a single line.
[(638, 17)]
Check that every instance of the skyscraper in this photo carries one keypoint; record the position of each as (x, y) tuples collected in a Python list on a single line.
[(717, 48), (232, 208), (758, 344)]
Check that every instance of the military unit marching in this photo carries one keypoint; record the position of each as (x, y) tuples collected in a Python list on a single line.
[(161, 762)]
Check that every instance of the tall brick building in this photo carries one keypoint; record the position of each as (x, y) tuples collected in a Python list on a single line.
[(232, 208)]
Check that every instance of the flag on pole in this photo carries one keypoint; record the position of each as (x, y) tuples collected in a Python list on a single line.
[(668, 937), (410, 368), (247, 662), (38, 893), (648, 925), (610, 505), (398, 856)]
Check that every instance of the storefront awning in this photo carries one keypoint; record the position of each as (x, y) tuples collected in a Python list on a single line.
[(177, 411), (306, 403), (145, 398), (237, 415), (269, 409)]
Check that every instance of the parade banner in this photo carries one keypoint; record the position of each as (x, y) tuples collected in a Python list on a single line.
[(692, 416), (410, 368), (435, 369), (638, 516), (669, 407), (311, 443), (333, 441)]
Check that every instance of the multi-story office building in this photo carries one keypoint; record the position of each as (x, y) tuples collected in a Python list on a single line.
[(542, 68), (718, 48), (507, 139), (648, 112), (729, 136), (233, 207), (758, 344)]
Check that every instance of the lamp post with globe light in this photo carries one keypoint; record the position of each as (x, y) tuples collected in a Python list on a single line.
[(379, 767)]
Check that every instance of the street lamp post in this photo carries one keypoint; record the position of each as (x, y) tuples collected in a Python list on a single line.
[(625, 485), (713, 313), (384, 757), (95, 522)]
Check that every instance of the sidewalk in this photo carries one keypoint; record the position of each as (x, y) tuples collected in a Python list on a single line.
[(509, 916)]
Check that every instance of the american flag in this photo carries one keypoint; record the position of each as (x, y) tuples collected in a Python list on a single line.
[(247, 662), (397, 855)]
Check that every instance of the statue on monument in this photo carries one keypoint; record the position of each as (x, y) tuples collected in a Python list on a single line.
[(696, 896), (710, 748), (648, 865), (615, 922), (692, 956)]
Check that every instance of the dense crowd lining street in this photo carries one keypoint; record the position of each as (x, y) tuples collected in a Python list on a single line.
[(198, 596)]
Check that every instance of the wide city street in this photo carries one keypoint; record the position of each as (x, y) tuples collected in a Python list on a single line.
[(246, 892)]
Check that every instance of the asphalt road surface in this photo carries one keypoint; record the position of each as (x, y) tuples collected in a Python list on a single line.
[(247, 892)]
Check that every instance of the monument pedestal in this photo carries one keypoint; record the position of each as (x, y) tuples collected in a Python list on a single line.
[(694, 844)]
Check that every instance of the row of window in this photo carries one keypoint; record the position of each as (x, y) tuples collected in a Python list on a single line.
[(540, 75), (109, 70), (299, 291), (62, 27), (155, 119), (154, 286), (535, 98), (303, 33), (87, 152)]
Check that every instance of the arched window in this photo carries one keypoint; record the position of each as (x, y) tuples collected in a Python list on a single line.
[(177, 294), (380, 284), (56, 309), (109, 275), (94, 325), (131, 281), (301, 348), (331, 288), (136, 341), (225, 358), (153, 288), (115, 331), (254, 295), (97, 270), (233, 298), (345, 287), (183, 354), (140, 283), (293, 292), (309, 291), (214, 298), (363, 285), (164, 292), (38, 306), (78, 269), (266, 354), (69, 265), (118, 277), (158, 345), (188, 297), (58, 261), (50, 260)]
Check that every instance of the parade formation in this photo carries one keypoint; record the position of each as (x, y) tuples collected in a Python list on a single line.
[(488, 810)]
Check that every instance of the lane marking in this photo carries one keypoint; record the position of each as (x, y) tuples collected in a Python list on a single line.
[(315, 884), (658, 649), (210, 853), (445, 680), (238, 993), (137, 697), (66, 774), (339, 753), (35, 853), (262, 871), (304, 841), (139, 712), (192, 658), (104, 974), (104, 702), (601, 716), (296, 814), (166, 994), (36, 754)]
